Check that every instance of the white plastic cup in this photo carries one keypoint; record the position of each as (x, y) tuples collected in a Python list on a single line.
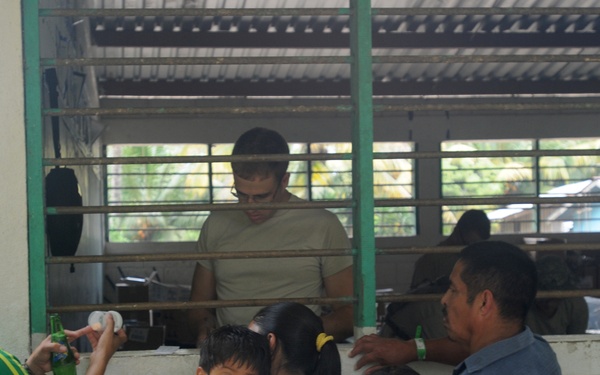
[(97, 320)]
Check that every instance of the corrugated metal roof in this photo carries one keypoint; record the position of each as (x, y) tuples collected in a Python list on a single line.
[(574, 34)]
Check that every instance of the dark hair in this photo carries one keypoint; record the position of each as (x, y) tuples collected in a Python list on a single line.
[(237, 344), (554, 273), (260, 141), (504, 269), (474, 221), (296, 328)]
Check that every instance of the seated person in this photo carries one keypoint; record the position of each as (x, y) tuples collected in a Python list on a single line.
[(402, 318), (431, 276), (234, 350), (473, 226), (492, 286), (557, 316)]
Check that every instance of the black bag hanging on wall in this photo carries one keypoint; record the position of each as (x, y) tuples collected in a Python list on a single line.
[(64, 231), (62, 189)]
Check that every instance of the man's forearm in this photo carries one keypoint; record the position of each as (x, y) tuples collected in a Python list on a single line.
[(202, 321), (339, 323)]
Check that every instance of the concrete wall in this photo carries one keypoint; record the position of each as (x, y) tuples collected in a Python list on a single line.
[(578, 355), (84, 285), (14, 277)]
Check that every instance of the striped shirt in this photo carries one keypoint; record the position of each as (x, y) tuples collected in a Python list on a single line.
[(9, 364)]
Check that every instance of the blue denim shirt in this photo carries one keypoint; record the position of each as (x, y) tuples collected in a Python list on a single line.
[(523, 354)]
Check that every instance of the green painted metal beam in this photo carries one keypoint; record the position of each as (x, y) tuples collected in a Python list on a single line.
[(35, 170), (362, 163)]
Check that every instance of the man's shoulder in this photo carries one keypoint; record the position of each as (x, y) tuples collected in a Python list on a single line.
[(538, 359), (223, 223), (311, 213), (523, 354)]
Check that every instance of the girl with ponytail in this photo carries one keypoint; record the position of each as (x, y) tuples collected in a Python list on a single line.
[(298, 343)]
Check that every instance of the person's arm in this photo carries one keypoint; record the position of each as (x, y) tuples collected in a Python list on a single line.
[(104, 345), (339, 323), (380, 352), (202, 321), (39, 360)]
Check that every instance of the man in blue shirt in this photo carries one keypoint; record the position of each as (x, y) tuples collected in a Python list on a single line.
[(492, 286)]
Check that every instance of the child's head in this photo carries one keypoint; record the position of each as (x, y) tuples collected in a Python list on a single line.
[(297, 339), (236, 350)]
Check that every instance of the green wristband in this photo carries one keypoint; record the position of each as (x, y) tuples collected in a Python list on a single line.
[(421, 351)]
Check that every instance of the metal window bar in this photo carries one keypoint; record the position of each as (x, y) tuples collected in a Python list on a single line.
[(64, 210), (295, 253), (35, 177), (309, 301), (295, 157), (428, 11), (361, 88), (362, 129), (282, 60), (587, 105), (394, 297), (31, 14)]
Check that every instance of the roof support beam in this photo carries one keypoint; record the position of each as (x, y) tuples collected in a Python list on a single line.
[(342, 88), (226, 39)]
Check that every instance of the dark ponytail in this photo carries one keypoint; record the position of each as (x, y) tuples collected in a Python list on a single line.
[(296, 328), (329, 360)]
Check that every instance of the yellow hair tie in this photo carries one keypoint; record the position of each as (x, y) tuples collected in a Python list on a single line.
[(322, 339)]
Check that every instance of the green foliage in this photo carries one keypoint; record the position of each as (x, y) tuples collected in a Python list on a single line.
[(500, 176), (189, 183), (146, 184), (192, 183)]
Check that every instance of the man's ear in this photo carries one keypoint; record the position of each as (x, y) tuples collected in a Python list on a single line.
[(486, 301), (200, 371), (285, 180)]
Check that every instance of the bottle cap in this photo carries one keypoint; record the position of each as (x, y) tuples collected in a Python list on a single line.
[(97, 322)]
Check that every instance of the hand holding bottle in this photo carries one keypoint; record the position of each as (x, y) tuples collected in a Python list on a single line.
[(39, 361), (63, 363), (104, 345)]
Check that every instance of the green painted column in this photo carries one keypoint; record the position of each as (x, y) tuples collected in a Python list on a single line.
[(362, 167), (35, 170)]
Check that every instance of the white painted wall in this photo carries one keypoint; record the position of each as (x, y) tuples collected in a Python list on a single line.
[(14, 268), (14, 278)]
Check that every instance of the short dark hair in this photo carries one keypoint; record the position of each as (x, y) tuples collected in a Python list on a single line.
[(504, 269), (296, 328), (260, 141), (474, 221), (237, 344), (554, 273)]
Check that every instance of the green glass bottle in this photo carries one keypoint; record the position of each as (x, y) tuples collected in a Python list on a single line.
[(62, 363)]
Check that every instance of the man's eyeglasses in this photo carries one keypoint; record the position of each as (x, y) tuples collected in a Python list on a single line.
[(259, 198)]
